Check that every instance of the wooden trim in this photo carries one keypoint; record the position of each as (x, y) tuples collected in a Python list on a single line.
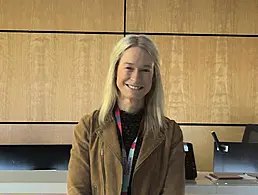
[(36, 133)]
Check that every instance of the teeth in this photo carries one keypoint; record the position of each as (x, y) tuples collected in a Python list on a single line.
[(133, 87)]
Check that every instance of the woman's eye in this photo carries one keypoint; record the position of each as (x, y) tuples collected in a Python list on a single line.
[(146, 70), (128, 68)]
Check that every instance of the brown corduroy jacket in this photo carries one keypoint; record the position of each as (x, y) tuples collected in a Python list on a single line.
[(95, 166)]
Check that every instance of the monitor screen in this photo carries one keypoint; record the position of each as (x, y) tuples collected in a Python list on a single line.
[(239, 158), (186, 148), (34, 157)]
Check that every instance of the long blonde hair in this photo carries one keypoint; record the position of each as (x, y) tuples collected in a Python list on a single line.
[(154, 100)]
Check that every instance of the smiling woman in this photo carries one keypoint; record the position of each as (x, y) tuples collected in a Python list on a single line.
[(134, 78), (128, 146)]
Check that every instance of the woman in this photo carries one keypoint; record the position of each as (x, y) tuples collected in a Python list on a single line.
[(128, 146)]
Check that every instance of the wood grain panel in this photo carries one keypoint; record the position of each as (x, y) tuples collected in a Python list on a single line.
[(200, 137), (193, 16), (209, 79), (36, 133), (52, 77), (76, 15)]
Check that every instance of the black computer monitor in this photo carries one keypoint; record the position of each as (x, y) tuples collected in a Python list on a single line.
[(236, 157), (34, 157)]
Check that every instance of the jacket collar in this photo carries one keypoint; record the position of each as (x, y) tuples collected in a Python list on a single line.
[(108, 134)]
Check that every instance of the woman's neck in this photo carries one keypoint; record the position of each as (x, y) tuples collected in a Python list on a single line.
[(130, 106)]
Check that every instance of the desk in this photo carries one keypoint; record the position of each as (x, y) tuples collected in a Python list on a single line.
[(33, 182), (54, 183), (203, 186)]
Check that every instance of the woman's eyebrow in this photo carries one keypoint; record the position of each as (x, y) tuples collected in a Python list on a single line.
[(147, 66), (131, 64), (128, 63)]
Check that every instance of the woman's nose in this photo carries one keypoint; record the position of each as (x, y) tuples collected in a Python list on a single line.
[(135, 75)]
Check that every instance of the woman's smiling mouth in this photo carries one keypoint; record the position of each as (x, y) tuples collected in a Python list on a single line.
[(134, 87)]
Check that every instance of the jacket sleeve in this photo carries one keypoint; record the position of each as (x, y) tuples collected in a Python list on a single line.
[(175, 179), (78, 180)]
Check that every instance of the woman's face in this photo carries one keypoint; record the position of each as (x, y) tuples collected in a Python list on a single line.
[(134, 74)]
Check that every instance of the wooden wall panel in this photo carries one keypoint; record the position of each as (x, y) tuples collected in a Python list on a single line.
[(75, 15), (36, 134), (200, 136), (52, 77), (210, 79), (193, 16)]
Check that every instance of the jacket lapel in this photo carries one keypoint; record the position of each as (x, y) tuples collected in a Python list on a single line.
[(151, 141), (108, 134)]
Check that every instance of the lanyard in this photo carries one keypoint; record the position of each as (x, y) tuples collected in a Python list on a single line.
[(127, 162)]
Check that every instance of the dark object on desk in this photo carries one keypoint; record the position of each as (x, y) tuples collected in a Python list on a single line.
[(225, 176), (250, 134), (220, 147), (190, 166), (253, 175), (34, 157), (237, 158)]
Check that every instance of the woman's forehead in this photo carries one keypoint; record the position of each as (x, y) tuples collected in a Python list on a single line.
[(136, 55)]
